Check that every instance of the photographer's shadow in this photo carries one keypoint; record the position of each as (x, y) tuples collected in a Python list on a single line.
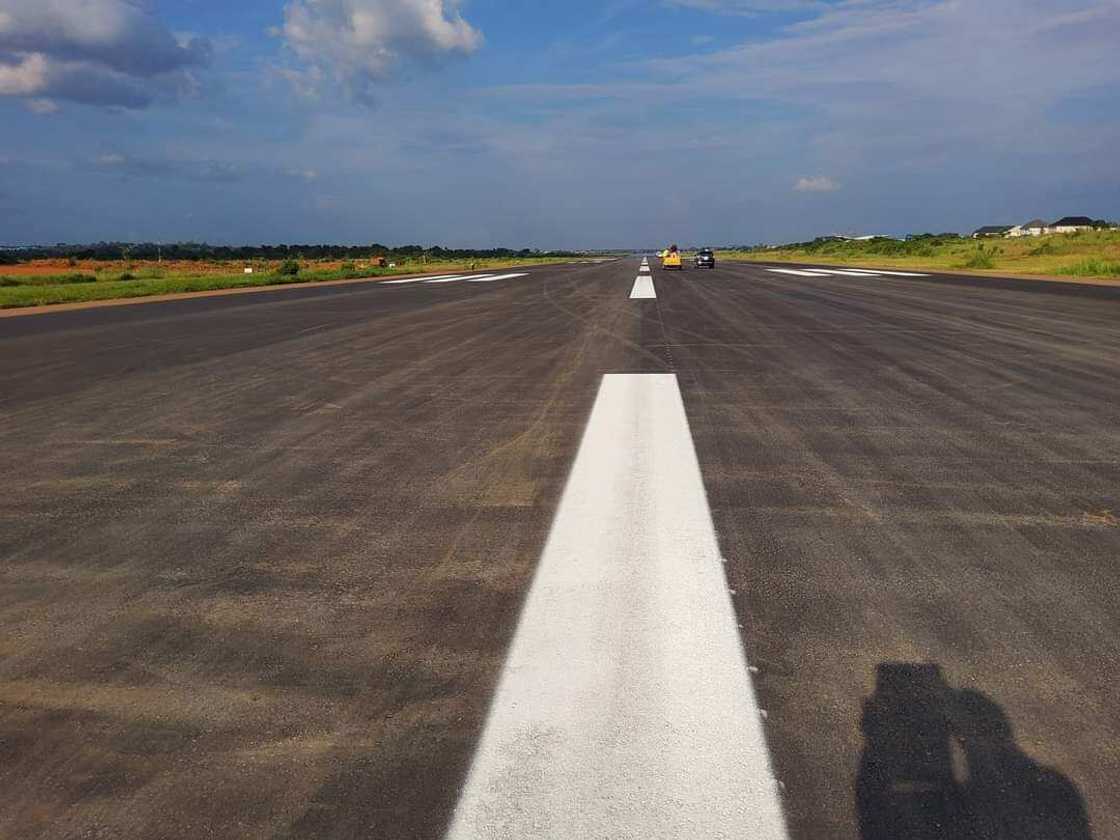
[(941, 764)]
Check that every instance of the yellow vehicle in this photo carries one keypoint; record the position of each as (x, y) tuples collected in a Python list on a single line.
[(672, 259)]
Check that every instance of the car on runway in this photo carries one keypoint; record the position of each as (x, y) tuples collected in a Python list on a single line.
[(672, 259), (705, 258)]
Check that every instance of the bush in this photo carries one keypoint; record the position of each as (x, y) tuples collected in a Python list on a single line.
[(9, 281), (1045, 249), (126, 276), (288, 268)]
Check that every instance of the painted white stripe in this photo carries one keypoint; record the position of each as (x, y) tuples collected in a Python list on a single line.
[(625, 708), (643, 289), (798, 272), (900, 273), (644, 269), (414, 280), (485, 279), (460, 277), (850, 272)]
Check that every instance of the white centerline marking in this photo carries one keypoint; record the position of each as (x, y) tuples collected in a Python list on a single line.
[(644, 269), (643, 289), (849, 272), (625, 708), (485, 279)]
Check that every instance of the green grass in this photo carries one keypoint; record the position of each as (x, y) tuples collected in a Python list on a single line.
[(17, 291), (1093, 268), (1087, 254), (982, 258), (48, 280)]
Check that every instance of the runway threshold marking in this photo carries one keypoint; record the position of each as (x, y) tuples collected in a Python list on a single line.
[(798, 272), (458, 278), (868, 272), (485, 279), (625, 707), (899, 273), (643, 289), (845, 272), (418, 280)]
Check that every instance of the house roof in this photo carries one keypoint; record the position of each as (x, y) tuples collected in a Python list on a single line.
[(1074, 221), (1035, 223)]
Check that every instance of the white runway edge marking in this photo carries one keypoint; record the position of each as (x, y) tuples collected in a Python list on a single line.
[(625, 708), (643, 289), (485, 279)]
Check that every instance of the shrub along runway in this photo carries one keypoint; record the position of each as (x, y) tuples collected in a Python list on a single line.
[(263, 556)]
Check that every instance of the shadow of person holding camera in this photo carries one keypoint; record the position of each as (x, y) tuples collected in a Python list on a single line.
[(942, 764)]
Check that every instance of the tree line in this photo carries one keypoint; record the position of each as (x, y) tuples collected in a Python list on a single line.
[(201, 251)]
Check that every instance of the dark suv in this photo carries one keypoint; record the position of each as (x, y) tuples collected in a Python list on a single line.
[(705, 258)]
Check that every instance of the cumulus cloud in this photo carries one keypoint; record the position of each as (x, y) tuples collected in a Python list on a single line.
[(96, 52), (359, 43), (819, 183)]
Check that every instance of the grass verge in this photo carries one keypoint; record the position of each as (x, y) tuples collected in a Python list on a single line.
[(44, 290), (1091, 254)]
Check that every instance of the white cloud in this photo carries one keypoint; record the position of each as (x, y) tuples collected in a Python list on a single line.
[(27, 76), (42, 106), (304, 174), (819, 183), (359, 43), (189, 169), (920, 84), (749, 7), (100, 52)]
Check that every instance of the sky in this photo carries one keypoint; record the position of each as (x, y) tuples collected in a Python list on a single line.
[(551, 123)]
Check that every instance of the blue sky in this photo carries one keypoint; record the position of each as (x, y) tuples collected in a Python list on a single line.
[(557, 123)]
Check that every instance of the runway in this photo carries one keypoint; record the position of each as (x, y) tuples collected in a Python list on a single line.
[(272, 564)]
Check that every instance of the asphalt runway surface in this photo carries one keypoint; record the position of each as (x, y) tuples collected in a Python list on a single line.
[(263, 557)]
